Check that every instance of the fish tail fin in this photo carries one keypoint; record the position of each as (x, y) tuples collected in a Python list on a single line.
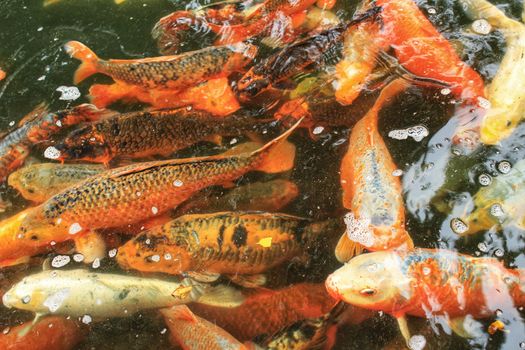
[(277, 155), (346, 249), (88, 58), (179, 312)]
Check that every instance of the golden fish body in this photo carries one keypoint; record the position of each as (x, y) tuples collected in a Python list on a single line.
[(226, 242)]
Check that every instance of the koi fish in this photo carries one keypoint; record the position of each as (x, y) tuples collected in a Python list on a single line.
[(166, 72), (506, 91), (294, 58), (134, 193), (422, 50), (228, 243), (194, 333), (55, 333), (39, 182), (273, 310), (80, 292), (370, 190), (269, 196), (143, 134), (428, 282), (37, 127), (500, 204), (314, 333)]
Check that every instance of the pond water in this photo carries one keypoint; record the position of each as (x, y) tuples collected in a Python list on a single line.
[(438, 180)]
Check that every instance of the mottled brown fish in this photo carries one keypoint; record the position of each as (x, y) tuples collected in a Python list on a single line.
[(134, 193), (38, 182), (167, 72), (37, 127), (146, 133), (221, 243)]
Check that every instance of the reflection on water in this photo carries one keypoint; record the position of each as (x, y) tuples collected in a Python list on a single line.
[(459, 196)]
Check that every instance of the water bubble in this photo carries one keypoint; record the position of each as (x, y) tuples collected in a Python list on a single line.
[(373, 267), (68, 93), (163, 331), (484, 103), (75, 228), (233, 141), (504, 167), (86, 319), (12, 123), (482, 246), (417, 342), (154, 210), (39, 29), (445, 91), (6, 330), (426, 271), (177, 183), (484, 179), (154, 258), (431, 11), (317, 130), (496, 210), (60, 261), (167, 256), (417, 132), (112, 253), (400, 134), (96, 263), (26, 299), (481, 26), (52, 153), (397, 172), (499, 252), (458, 226), (499, 313), (522, 345), (78, 257)]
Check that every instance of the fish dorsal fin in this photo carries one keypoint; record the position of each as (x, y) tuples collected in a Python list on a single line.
[(139, 167), (37, 112), (23, 332), (180, 312)]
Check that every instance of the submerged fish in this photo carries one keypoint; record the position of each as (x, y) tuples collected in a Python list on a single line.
[(273, 310), (134, 193), (422, 50), (36, 127), (428, 283), (221, 243), (294, 58), (143, 134), (55, 333), (39, 182), (313, 333), (506, 92), (194, 333), (370, 189), (269, 196), (77, 293), (166, 72), (500, 204)]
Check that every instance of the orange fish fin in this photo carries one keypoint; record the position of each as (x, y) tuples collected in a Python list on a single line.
[(249, 281), (246, 147), (180, 312), (13, 262), (403, 328), (88, 58), (346, 249), (91, 245)]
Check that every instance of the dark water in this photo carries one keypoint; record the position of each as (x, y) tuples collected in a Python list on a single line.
[(30, 52)]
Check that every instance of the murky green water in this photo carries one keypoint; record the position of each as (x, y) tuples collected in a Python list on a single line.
[(31, 38)]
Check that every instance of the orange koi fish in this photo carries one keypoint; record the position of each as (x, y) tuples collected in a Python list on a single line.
[(273, 310), (36, 127), (426, 283), (134, 193), (55, 333), (422, 50), (194, 333), (370, 190), (166, 76)]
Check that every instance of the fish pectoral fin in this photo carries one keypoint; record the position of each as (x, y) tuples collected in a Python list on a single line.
[(249, 281), (23, 332), (222, 296), (403, 327), (204, 277), (346, 249), (91, 245), (180, 312), (466, 327)]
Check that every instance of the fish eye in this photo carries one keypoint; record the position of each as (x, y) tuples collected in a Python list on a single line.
[(367, 292), (26, 299)]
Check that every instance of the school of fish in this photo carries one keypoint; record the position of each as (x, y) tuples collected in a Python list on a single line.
[(182, 202)]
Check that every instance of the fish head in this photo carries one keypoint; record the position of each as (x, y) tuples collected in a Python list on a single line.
[(251, 84), (27, 294), (153, 253), (372, 281), (86, 143)]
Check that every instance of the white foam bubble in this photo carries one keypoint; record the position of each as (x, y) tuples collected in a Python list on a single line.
[(481, 26), (358, 230), (75, 228), (417, 342), (60, 261), (416, 132), (458, 226), (484, 179), (52, 153), (68, 93), (504, 167), (86, 319)]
